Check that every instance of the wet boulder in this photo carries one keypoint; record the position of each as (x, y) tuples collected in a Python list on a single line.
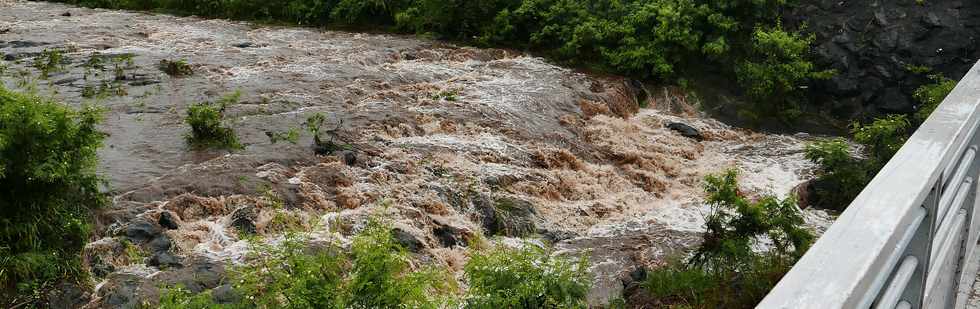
[(164, 260), (505, 216), (685, 130), (407, 240), (68, 295), (168, 221), (243, 219), (450, 235), (141, 230)]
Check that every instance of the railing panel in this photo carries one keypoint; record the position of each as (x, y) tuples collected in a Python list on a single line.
[(918, 196)]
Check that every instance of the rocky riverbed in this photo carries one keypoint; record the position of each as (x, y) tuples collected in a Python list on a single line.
[(446, 142)]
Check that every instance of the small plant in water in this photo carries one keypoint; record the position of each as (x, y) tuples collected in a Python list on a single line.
[(176, 68), (50, 61), (206, 127), (451, 95), (291, 136), (315, 125)]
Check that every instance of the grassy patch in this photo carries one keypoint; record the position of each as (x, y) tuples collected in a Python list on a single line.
[(176, 68), (207, 130)]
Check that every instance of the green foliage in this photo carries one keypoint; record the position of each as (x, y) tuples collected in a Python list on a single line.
[(374, 273), (735, 224), (176, 68), (656, 39), (206, 127), (882, 138), (48, 186), (50, 61), (841, 176), (930, 95), (677, 285), (774, 75), (291, 136), (529, 277), (725, 271)]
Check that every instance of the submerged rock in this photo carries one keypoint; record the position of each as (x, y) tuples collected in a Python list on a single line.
[(505, 216), (243, 219), (685, 130), (168, 221)]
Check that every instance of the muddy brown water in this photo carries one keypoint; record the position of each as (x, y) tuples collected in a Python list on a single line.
[(438, 131)]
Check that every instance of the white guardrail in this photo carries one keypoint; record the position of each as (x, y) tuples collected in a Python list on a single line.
[(907, 241)]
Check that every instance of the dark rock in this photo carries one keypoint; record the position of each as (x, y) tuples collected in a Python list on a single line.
[(160, 244), (932, 20), (141, 231), (119, 291), (894, 101), (168, 221), (350, 158), (556, 235), (66, 81), (504, 216), (225, 294), (685, 130), (99, 267), (21, 44), (871, 44), (450, 236), (164, 260), (66, 14), (245, 45), (68, 295), (407, 240), (243, 219)]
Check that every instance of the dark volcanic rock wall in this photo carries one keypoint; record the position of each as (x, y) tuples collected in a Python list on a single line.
[(872, 45)]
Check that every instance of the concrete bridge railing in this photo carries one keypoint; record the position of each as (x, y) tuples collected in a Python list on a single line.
[(908, 239)]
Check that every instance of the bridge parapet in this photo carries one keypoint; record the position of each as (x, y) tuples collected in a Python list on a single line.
[(907, 240)]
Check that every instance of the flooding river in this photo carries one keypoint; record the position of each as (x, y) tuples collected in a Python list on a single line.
[(437, 132)]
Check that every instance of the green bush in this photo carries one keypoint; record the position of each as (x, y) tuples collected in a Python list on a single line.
[(735, 224), (176, 68), (773, 76), (526, 278), (206, 127), (725, 271), (930, 95), (375, 273), (841, 175), (48, 187)]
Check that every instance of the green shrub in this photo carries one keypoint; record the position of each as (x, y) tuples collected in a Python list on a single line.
[(735, 224), (778, 69), (50, 61), (882, 138), (930, 95), (841, 176), (374, 273), (725, 271), (206, 127), (529, 277), (48, 186), (176, 68)]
